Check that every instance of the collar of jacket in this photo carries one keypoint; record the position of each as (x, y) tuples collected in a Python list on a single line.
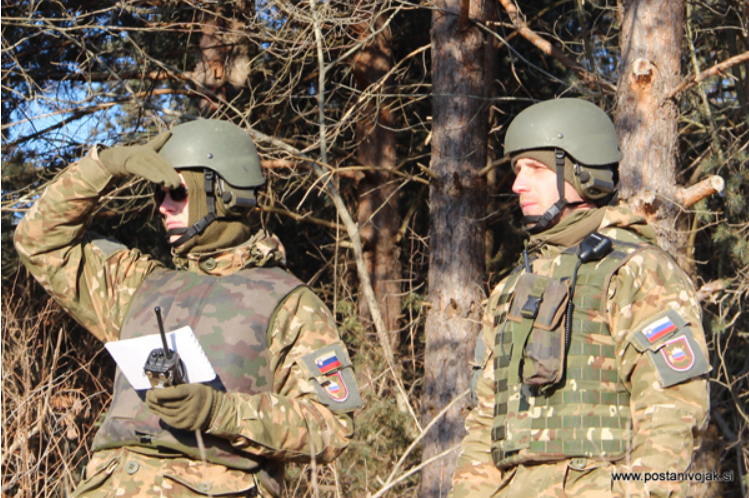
[(571, 230), (568, 232), (262, 249)]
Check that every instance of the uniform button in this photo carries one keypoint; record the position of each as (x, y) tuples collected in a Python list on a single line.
[(131, 467), (204, 487), (240, 442), (578, 463), (208, 264)]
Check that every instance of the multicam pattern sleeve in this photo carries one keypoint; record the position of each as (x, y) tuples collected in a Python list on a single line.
[(291, 423), (93, 278), (666, 420)]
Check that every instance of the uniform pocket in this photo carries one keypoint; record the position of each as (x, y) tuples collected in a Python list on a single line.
[(670, 442), (192, 482), (538, 307), (586, 478), (94, 486)]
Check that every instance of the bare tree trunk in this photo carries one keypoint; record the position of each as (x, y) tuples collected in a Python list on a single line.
[(646, 121), (461, 77), (647, 125), (377, 213)]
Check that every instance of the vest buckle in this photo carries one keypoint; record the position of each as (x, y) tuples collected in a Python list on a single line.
[(531, 306)]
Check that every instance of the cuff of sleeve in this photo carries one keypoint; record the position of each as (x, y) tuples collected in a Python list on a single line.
[(226, 422), (93, 172)]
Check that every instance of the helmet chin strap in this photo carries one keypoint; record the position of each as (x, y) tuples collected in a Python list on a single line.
[(541, 223), (202, 224)]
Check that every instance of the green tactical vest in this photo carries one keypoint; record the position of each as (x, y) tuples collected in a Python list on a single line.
[(230, 316), (583, 410)]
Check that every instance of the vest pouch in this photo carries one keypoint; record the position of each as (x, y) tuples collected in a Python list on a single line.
[(542, 300)]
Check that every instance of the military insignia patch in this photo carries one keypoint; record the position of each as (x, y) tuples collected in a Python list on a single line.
[(327, 362), (336, 388), (661, 328), (329, 371), (679, 359), (658, 329), (678, 354), (333, 384)]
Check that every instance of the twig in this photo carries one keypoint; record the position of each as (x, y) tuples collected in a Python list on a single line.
[(424, 432), (693, 80), (299, 217), (551, 50), (414, 470)]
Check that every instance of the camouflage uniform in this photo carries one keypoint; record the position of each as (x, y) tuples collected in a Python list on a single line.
[(95, 279), (662, 423)]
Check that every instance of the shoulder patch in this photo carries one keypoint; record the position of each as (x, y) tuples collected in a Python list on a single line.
[(654, 334), (679, 359), (329, 369)]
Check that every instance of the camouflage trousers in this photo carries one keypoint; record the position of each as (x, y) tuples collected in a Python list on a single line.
[(124, 473), (579, 478)]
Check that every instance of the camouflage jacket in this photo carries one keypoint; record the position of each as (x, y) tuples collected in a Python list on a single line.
[(95, 279), (665, 420)]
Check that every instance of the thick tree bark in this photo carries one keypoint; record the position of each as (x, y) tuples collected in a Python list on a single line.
[(646, 120), (647, 124), (377, 213), (462, 62)]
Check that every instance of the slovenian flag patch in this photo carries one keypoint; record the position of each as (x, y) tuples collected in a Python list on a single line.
[(327, 362), (658, 329)]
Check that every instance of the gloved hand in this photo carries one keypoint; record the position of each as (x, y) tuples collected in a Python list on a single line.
[(186, 406), (143, 161)]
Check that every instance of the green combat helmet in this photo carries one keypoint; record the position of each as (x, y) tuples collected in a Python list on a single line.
[(578, 130), (230, 164)]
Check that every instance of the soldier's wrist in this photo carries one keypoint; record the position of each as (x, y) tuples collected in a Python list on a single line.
[(216, 401), (224, 418), (92, 171)]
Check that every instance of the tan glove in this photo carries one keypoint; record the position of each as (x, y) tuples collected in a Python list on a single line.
[(143, 161), (186, 406)]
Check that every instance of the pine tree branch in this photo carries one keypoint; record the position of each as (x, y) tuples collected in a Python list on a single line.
[(693, 79)]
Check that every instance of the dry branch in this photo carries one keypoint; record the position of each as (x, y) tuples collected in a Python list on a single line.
[(707, 187), (549, 49), (696, 79), (710, 290), (300, 217)]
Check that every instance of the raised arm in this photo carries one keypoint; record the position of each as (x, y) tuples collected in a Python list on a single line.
[(92, 277)]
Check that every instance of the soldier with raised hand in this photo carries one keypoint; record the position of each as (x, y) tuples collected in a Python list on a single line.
[(592, 359), (284, 389)]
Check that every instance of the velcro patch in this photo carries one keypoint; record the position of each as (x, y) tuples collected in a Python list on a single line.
[(654, 334), (679, 359), (329, 370)]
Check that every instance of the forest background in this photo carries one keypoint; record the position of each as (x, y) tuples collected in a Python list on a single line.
[(380, 127)]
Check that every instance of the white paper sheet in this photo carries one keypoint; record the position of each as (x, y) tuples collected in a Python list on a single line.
[(131, 356)]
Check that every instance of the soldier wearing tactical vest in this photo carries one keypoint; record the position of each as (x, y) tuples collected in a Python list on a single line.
[(284, 390), (592, 359)]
